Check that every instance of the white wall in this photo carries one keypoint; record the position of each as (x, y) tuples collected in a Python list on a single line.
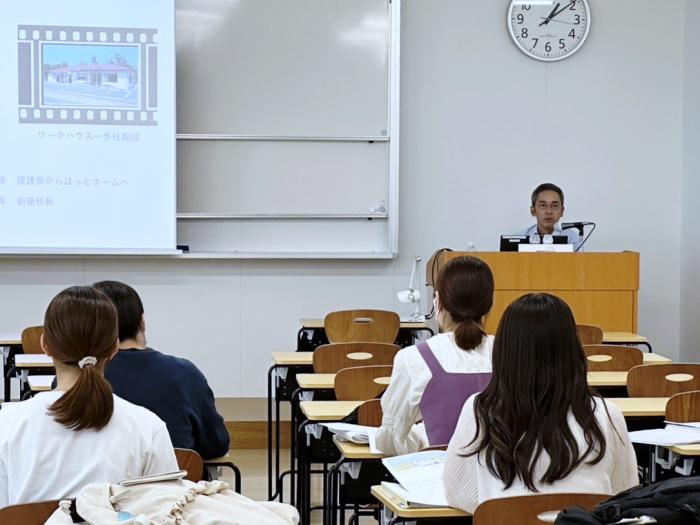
[(481, 125), (690, 255)]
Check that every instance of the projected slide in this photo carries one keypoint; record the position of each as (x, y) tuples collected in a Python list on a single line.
[(87, 109)]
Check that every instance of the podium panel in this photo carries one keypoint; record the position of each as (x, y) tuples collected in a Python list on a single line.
[(600, 288)]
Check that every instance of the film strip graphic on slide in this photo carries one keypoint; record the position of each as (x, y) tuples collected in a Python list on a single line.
[(87, 75)]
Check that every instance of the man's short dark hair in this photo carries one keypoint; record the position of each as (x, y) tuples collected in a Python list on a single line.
[(129, 307), (547, 186)]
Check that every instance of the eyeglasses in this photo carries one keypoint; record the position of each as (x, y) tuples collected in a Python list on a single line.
[(543, 206)]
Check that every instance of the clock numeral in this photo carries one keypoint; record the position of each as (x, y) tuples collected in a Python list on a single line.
[(536, 40), (577, 19), (572, 7), (572, 33), (521, 18), (548, 47), (524, 33), (562, 45), (526, 7)]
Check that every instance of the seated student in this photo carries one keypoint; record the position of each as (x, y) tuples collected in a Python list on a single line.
[(57, 442), (172, 388), (537, 427), (548, 207), (463, 296)]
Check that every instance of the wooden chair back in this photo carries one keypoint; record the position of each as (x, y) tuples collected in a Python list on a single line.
[(589, 334), (684, 407), (361, 383), (611, 358), (28, 513), (190, 461), (531, 510), (376, 326), (370, 413), (663, 380), (328, 359), (31, 340)]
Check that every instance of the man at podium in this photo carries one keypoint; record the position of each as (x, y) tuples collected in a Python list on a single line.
[(548, 207)]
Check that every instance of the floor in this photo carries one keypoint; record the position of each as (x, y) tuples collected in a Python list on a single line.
[(253, 465)]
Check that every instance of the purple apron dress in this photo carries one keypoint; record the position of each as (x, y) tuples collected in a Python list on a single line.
[(445, 395)]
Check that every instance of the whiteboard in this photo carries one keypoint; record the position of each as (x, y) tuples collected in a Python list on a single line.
[(283, 67), (277, 178), (288, 126)]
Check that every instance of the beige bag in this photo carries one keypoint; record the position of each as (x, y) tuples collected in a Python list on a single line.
[(172, 502)]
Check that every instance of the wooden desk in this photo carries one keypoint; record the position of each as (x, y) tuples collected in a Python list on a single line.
[(600, 288), (328, 410), (6, 340), (316, 324), (355, 451), (33, 361), (641, 406), (293, 358), (687, 450), (389, 501), (316, 381), (40, 383)]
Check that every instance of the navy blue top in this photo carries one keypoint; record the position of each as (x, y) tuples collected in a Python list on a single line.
[(177, 392)]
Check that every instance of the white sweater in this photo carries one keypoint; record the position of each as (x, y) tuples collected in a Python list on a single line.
[(468, 481), (401, 401), (41, 459)]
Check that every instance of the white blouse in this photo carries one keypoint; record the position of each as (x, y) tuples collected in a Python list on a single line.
[(469, 482), (401, 402), (41, 459)]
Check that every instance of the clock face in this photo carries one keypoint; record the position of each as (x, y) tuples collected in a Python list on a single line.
[(549, 30)]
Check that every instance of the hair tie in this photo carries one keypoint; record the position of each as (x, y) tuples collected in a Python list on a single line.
[(89, 360)]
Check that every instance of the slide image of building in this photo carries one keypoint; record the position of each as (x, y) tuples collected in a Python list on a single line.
[(96, 76)]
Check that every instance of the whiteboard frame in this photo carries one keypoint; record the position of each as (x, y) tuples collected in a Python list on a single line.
[(392, 216)]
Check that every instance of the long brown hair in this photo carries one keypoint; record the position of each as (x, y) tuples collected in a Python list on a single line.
[(539, 378), (82, 322), (465, 286)]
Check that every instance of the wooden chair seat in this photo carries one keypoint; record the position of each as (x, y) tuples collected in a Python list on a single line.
[(190, 461), (330, 358), (377, 326), (611, 358), (663, 380), (361, 383), (589, 334), (28, 513), (31, 340), (531, 510)]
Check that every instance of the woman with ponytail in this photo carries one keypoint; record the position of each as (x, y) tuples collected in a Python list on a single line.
[(57, 442), (432, 380)]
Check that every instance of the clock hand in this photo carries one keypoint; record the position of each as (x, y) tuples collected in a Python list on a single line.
[(572, 3), (550, 15), (559, 21)]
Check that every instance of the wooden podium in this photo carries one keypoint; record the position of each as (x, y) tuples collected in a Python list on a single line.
[(600, 288)]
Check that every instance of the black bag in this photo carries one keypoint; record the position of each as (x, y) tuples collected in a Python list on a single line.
[(674, 501)]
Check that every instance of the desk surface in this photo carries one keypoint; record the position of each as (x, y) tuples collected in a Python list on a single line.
[(9, 340), (354, 451), (33, 361), (623, 337), (328, 410), (40, 383), (641, 406), (293, 358), (394, 505), (408, 325)]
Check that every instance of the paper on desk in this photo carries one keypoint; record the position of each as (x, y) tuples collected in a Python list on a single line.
[(355, 433), (420, 474), (673, 434)]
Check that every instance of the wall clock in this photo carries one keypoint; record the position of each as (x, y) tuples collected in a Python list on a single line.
[(549, 30)]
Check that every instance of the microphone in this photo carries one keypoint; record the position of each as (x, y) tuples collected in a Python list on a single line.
[(578, 225)]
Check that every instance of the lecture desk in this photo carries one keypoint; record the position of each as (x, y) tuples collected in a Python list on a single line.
[(10, 345), (280, 386), (402, 514), (349, 453), (35, 363)]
